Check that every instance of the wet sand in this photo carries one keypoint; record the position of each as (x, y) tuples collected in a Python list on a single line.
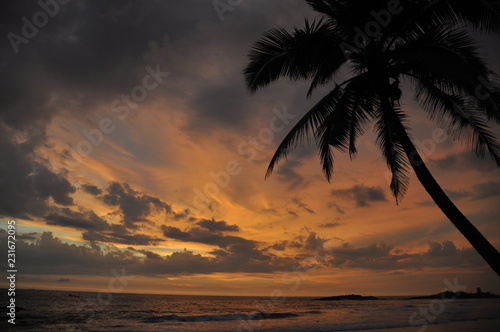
[(484, 325)]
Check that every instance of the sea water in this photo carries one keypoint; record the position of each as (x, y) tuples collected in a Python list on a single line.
[(38, 310)]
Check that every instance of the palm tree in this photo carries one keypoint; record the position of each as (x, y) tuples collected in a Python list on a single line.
[(425, 44)]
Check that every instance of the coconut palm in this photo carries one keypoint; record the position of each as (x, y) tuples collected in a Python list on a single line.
[(423, 44)]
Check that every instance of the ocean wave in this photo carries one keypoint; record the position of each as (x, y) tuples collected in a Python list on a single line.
[(221, 317)]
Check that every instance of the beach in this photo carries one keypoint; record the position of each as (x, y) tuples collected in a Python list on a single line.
[(483, 325)]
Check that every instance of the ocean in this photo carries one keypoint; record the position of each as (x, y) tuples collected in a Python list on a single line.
[(47, 311)]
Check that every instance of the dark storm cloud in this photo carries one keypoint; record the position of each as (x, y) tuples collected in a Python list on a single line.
[(50, 255), (91, 189), (27, 183), (215, 226), (314, 242), (307, 243), (73, 63), (121, 234), (361, 194), (150, 254), (77, 57), (134, 206), (29, 236), (92, 52), (175, 233), (86, 220), (280, 245), (71, 67), (205, 236)]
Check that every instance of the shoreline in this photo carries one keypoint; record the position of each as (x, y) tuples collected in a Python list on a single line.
[(481, 325)]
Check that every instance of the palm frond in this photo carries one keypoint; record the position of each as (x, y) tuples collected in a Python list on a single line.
[(309, 52), (436, 58), (345, 123), (480, 14), (460, 117), (437, 54), (392, 148), (307, 124)]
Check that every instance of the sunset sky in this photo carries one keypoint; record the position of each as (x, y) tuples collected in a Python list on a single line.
[(130, 145)]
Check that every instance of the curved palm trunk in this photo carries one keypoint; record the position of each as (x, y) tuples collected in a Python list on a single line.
[(476, 239)]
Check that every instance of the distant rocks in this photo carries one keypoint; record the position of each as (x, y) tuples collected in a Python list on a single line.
[(347, 297), (459, 295)]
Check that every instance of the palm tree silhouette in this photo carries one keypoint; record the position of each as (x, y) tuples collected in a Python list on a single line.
[(426, 44)]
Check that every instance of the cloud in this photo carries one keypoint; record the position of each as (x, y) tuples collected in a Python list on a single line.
[(205, 236), (134, 206), (462, 161), (29, 187), (91, 189), (97, 229), (314, 242), (361, 194), (175, 233), (479, 191), (307, 243), (486, 190), (28, 236), (122, 235), (50, 255), (337, 207), (215, 226), (287, 173), (330, 225), (64, 280), (280, 245), (452, 194), (446, 248), (302, 205), (386, 257), (83, 220), (147, 253)]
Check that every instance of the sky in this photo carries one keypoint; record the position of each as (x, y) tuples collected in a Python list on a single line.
[(130, 148)]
